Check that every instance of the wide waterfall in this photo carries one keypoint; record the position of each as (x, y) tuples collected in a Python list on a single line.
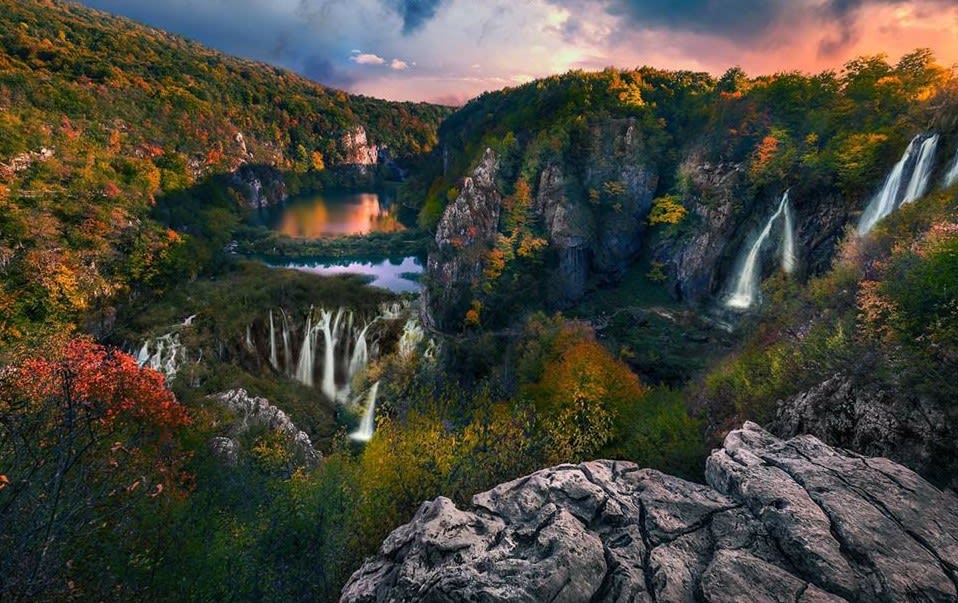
[(746, 288), (368, 423), (952, 176), (167, 357), (273, 355), (915, 165)]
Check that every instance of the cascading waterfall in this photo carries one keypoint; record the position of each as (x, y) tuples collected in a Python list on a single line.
[(746, 288), (789, 258), (952, 176), (360, 356), (166, 357), (328, 325), (920, 177), (348, 344), (915, 164), (368, 423), (304, 368), (287, 356), (273, 357)]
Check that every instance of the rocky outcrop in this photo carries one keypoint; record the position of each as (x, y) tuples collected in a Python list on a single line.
[(356, 148), (466, 232), (260, 185), (876, 420), (251, 412), (792, 521)]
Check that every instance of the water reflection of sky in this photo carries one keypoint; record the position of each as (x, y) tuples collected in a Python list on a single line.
[(336, 214), (401, 277)]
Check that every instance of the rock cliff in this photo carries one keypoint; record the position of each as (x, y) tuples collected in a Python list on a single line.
[(876, 419), (780, 520), (466, 232)]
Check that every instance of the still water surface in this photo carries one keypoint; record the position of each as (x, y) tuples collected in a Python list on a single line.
[(332, 214), (337, 214)]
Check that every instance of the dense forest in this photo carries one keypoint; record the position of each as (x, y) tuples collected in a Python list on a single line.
[(123, 196)]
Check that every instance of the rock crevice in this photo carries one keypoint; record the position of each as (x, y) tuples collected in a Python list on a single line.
[(794, 521)]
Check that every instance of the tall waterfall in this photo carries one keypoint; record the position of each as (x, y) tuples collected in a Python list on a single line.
[(916, 165), (746, 288), (952, 176), (329, 364), (789, 259), (368, 423), (360, 355), (273, 356), (920, 177), (304, 368)]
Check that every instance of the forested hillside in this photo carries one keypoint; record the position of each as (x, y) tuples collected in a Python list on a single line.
[(101, 119)]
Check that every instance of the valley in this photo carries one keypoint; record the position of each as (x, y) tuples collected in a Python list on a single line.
[(249, 324)]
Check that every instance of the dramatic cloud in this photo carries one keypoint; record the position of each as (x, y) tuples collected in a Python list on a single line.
[(451, 50), (414, 13)]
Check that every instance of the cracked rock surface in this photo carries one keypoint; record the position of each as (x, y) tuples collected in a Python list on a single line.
[(794, 521)]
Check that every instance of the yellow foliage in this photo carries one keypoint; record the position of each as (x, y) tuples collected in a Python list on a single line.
[(319, 162), (667, 210)]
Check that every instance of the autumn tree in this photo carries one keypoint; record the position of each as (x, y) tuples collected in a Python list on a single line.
[(88, 446)]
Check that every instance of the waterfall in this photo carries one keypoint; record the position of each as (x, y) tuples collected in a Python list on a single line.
[(746, 288), (165, 358), (789, 259), (287, 356), (918, 185), (249, 339), (360, 355), (328, 326), (915, 164), (304, 369), (273, 359), (368, 423), (412, 336), (952, 176), (144, 355)]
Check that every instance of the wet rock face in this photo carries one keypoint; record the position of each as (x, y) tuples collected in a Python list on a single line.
[(466, 232), (780, 520), (877, 420), (693, 261)]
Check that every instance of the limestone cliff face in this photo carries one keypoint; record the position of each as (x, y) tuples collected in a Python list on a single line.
[(725, 216), (693, 262), (877, 419), (356, 148), (596, 220), (779, 520), (466, 232)]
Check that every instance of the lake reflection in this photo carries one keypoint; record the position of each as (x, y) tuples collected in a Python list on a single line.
[(315, 216), (400, 276)]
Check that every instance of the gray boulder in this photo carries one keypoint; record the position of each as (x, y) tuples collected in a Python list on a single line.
[(780, 520)]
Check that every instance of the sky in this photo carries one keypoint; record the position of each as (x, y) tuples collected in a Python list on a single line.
[(448, 51)]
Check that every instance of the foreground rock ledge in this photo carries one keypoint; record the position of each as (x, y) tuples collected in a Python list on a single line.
[(792, 521)]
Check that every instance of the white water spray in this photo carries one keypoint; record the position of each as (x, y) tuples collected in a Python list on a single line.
[(789, 258), (918, 185), (368, 423), (746, 288), (952, 176), (915, 165), (273, 357)]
